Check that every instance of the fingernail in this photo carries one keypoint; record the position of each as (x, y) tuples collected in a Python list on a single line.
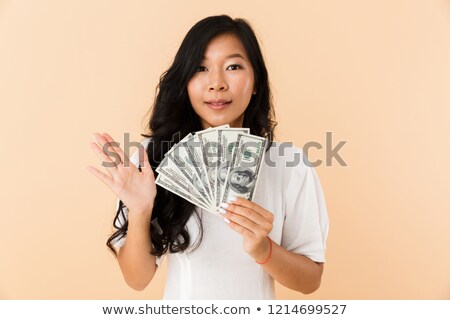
[(222, 211), (224, 205), (226, 220), (232, 199)]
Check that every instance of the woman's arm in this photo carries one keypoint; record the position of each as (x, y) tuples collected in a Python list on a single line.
[(292, 270), (137, 264), (137, 189), (254, 223)]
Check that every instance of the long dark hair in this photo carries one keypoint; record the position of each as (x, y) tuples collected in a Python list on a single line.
[(173, 118)]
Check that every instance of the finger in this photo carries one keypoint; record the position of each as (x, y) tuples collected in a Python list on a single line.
[(246, 223), (246, 233), (143, 159), (108, 148), (115, 145), (103, 177), (106, 161), (245, 213), (239, 201), (147, 164)]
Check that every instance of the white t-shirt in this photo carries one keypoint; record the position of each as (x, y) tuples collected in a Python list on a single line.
[(220, 268)]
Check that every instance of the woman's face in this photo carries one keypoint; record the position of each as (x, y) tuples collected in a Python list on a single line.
[(226, 74)]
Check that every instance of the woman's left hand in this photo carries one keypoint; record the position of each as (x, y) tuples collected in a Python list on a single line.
[(253, 222)]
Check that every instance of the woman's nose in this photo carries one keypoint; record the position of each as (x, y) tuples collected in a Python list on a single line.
[(217, 82)]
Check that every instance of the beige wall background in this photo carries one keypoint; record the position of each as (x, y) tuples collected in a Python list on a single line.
[(374, 73)]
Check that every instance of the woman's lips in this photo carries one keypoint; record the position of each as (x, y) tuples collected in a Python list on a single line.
[(217, 105)]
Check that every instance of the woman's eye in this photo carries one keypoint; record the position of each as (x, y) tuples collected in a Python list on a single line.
[(235, 66)]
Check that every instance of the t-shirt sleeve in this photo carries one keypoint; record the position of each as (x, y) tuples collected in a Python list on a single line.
[(306, 223), (122, 216)]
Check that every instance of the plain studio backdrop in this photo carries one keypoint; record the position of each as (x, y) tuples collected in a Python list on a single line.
[(375, 74)]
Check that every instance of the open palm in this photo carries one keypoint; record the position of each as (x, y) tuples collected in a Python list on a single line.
[(136, 189)]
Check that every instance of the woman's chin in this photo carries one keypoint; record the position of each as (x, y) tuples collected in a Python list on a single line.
[(215, 123), (220, 120)]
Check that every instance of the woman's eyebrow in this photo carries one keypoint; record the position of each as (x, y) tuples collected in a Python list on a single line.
[(234, 55)]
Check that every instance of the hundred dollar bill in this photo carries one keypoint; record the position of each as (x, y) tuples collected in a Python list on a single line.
[(180, 156), (210, 151), (245, 165), (167, 184), (171, 166), (194, 150), (227, 139)]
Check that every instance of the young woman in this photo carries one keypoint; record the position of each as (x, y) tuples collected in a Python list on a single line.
[(218, 77)]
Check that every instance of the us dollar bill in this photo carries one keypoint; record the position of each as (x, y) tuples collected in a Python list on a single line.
[(193, 148), (210, 151), (179, 155), (168, 184), (227, 140), (171, 168), (245, 166)]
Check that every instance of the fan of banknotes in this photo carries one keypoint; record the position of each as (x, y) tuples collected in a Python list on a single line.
[(207, 167)]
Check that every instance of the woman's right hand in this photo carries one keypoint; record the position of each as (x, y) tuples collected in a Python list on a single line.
[(137, 190)]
